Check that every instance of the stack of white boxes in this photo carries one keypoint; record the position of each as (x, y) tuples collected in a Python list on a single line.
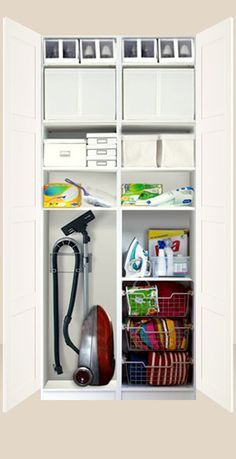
[(101, 150)]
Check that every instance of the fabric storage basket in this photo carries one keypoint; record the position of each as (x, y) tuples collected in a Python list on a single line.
[(139, 151), (175, 151), (158, 368)]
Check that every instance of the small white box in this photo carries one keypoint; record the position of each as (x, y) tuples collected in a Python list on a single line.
[(94, 51), (65, 153), (61, 51), (101, 163), (140, 50), (139, 151), (175, 151), (101, 153), (102, 140)]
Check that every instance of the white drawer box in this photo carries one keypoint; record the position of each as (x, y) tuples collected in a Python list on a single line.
[(101, 153), (101, 139), (175, 151), (65, 154), (101, 163)]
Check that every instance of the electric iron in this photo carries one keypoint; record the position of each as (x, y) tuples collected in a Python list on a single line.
[(136, 263)]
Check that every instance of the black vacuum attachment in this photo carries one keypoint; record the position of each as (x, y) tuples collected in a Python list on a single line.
[(79, 225)]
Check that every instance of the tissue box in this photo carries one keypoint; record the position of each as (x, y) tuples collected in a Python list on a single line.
[(61, 195), (175, 151), (139, 151)]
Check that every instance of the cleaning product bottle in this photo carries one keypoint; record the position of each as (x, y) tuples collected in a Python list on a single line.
[(161, 266), (169, 258)]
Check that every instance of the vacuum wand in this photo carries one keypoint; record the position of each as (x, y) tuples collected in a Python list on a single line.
[(79, 225)]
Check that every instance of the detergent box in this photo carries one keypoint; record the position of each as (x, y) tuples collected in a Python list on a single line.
[(178, 238), (61, 195), (131, 192)]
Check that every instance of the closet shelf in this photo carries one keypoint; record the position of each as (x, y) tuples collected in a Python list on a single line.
[(182, 126), (70, 124), (156, 279), (158, 209), (158, 169), (80, 169), (69, 385), (80, 209), (145, 388)]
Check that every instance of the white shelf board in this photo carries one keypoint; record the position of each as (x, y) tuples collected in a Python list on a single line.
[(158, 169), (78, 65), (139, 65), (158, 209), (152, 123), (146, 388), (69, 385), (82, 208), (156, 279), (81, 169), (78, 124)]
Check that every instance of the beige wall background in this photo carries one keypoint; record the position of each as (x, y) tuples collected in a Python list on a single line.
[(38, 429)]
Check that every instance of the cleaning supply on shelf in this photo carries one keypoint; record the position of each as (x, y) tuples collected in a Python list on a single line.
[(142, 301), (178, 238), (89, 198), (161, 264), (61, 195), (136, 193), (169, 258), (136, 262), (180, 197)]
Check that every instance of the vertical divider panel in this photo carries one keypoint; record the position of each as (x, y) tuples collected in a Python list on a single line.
[(119, 109)]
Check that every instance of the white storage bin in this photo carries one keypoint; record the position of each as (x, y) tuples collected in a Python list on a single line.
[(65, 153), (175, 151), (139, 151), (101, 163), (98, 139), (101, 153)]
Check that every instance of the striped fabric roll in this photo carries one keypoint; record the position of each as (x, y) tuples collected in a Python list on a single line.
[(158, 334), (168, 368)]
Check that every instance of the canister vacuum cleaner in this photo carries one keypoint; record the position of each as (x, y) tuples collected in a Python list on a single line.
[(96, 350)]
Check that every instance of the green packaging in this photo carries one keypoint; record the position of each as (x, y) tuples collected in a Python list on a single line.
[(131, 192), (142, 301)]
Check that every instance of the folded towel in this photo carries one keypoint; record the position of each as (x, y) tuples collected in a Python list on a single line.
[(168, 368)]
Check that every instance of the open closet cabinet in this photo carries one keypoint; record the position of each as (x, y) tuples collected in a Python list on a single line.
[(68, 100)]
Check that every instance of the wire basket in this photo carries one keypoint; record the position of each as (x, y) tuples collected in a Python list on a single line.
[(139, 338), (165, 374), (176, 305)]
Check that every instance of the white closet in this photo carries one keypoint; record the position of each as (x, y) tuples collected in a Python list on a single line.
[(45, 102)]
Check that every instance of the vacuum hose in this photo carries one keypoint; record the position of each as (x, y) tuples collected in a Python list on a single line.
[(75, 247)]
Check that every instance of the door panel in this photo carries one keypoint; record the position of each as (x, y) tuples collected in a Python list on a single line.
[(97, 90), (140, 94), (159, 94), (176, 94), (80, 94), (21, 212), (214, 186), (61, 94)]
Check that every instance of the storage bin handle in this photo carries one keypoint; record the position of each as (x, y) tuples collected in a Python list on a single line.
[(64, 153), (101, 163)]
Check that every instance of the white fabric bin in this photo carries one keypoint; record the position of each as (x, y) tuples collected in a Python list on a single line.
[(139, 151), (175, 151)]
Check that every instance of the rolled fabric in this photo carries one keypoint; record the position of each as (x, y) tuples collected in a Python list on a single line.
[(168, 368)]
